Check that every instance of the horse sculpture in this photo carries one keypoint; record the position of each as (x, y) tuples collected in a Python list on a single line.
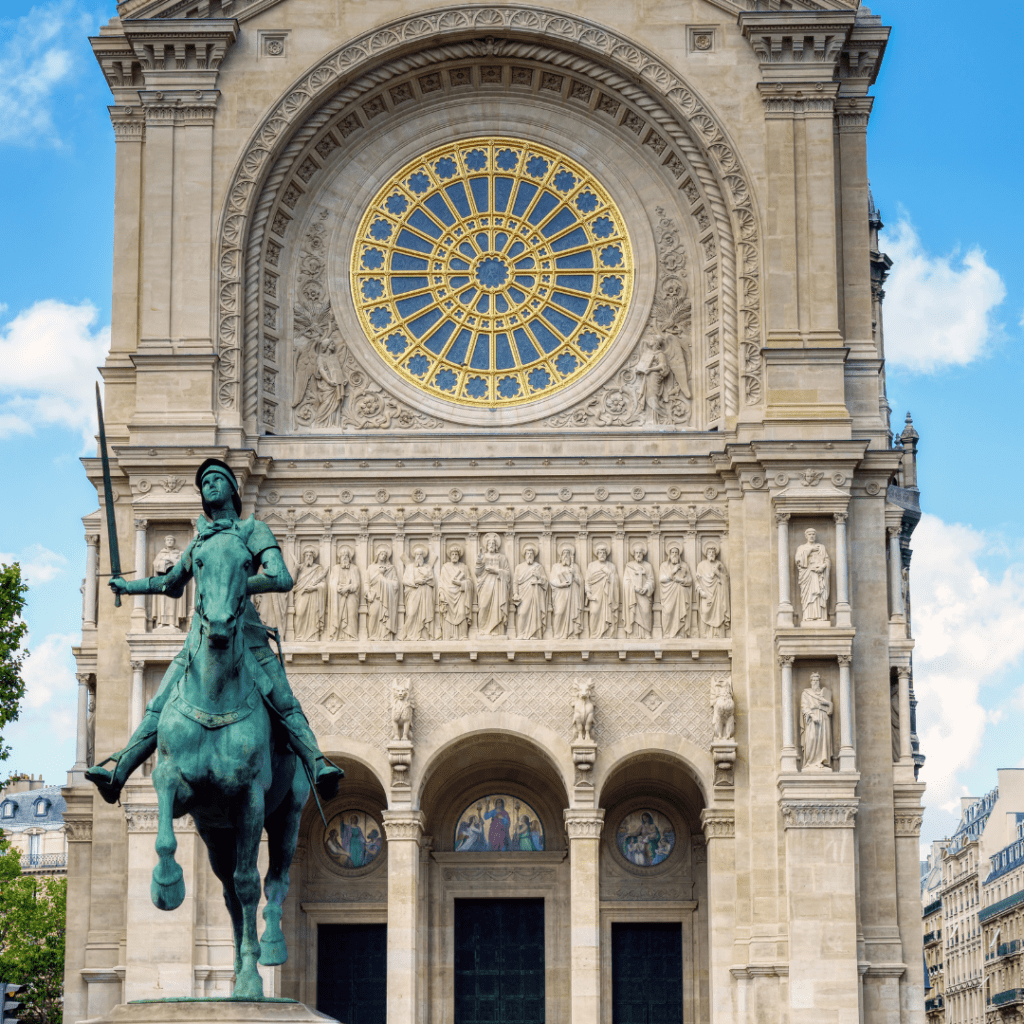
[(221, 762)]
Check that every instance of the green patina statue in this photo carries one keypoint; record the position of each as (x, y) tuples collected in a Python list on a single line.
[(236, 751)]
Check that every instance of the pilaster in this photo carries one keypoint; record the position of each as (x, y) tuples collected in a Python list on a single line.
[(583, 827), (404, 831), (719, 825)]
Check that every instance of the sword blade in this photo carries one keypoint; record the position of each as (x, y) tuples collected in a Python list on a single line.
[(108, 499)]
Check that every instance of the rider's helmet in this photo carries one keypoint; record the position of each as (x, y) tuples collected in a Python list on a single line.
[(224, 470)]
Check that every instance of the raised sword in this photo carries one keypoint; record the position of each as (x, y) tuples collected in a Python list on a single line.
[(108, 500)]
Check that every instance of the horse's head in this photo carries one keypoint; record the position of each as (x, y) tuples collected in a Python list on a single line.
[(222, 565)]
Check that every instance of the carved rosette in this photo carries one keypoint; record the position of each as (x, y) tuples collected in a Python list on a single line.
[(819, 813), (583, 824), (718, 823), (403, 826)]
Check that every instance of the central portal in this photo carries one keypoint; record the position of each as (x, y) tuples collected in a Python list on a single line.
[(499, 961)]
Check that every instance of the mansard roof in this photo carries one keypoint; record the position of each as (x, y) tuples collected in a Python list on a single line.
[(20, 812)]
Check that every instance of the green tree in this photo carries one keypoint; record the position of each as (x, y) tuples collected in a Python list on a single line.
[(32, 912), (12, 655)]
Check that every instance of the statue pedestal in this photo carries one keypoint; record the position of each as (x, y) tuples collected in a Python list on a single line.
[(212, 1011)]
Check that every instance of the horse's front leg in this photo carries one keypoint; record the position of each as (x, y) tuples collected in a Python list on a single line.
[(248, 983), (168, 886)]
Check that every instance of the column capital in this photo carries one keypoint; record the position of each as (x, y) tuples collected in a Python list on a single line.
[(908, 824), (83, 678), (786, 659), (78, 830), (138, 665), (583, 823), (403, 825), (718, 823), (893, 532), (903, 671), (840, 518), (782, 517), (853, 114), (92, 540), (129, 123), (141, 524), (819, 813), (169, 108), (845, 660)]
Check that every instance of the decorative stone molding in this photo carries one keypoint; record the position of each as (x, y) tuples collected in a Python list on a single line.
[(819, 813), (192, 107), (908, 825), (779, 38), (583, 824), (78, 830), (342, 894), (129, 124), (497, 874), (146, 818), (739, 971), (639, 893), (402, 826), (718, 823), (162, 45)]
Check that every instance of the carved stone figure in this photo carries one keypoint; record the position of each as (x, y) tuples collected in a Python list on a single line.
[(382, 597), (319, 376), (529, 594), (601, 587), (712, 581), (90, 730), (343, 593), (330, 385), (816, 726), (583, 713), (310, 598), (272, 610), (401, 711), (638, 594), (566, 596), (493, 576), (418, 580), (453, 596), (169, 612), (723, 708), (814, 568), (676, 591)]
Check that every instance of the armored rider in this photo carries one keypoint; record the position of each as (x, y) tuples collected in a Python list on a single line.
[(223, 507)]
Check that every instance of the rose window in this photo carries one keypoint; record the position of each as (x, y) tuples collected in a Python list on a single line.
[(492, 272)]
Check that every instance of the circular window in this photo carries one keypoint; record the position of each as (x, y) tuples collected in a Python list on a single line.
[(493, 272)]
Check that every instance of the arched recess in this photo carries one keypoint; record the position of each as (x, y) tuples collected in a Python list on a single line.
[(654, 108), (696, 764)]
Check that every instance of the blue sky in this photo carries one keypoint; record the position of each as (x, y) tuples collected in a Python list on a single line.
[(945, 152)]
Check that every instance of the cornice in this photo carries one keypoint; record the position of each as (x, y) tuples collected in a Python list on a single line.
[(797, 46)]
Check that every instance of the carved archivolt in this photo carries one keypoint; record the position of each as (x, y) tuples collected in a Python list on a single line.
[(638, 94)]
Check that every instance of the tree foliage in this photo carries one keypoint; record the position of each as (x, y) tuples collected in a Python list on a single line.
[(12, 655), (32, 912)]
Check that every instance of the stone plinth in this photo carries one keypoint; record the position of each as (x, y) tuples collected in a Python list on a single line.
[(212, 1011)]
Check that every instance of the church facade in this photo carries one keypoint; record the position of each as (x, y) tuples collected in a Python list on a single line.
[(547, 341)]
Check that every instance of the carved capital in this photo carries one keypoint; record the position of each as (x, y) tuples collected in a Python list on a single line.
[(583, 824), (138, 666), (141, 524), (853, 114), (908, 825), (782, 517), (819, 813), (194, 107), (845, 660), (142, 819), (786, 660), (893, 532), (403, 826), (903, 672), (78, 830), (84, 679), (718, 823), (92, 540), (840, 517), (128, 123)]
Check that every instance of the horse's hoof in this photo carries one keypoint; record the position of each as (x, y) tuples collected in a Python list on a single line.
[(168, 893), (250, 986), (273, 954)]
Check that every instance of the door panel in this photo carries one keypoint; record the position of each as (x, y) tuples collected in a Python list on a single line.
[(647, 973), (351, 972)]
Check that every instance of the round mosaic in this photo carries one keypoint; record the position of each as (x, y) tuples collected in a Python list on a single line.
[(492, 272)]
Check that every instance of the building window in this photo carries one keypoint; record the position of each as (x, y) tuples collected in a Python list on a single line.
[(33, 844), (8, 809), (41, 808)]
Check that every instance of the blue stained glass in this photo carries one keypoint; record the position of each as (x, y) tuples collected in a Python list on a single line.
[(563, 219), (467, 297), (525, 281), (440, 209), (476, 387), (481, 353), (611, 286), (566, 325), (547, 340), (373, 259), (396, 344), (574, 303), (457, 194), (492, 272), (611, 256), (500, 305), (507, 159), (484, 304), (482, 241), (503, 358), (526, 263), (467, 250), (586, 202), (564, 181), (527, 352), (566, 363), (418, 364), (380, 230), (481, 198), (539, 378), (537, 167), (516, 295), (396, 204), (460, 346), (524, 195), (508, 387), (421, 222), (543, 207), (476, 159), (603, 228), (403, 261), (458, 282), (502, 193), (407, 240), (400, 285), (588, 341), (603, 316), (500, 240), (576, 261), (446, 380), (422, 324), (439, 338), (515, 249), (372, 289), (570, 241), (419, 183), (581, 282), (445, 168), (406, 307), (380, 317), (459, 265)]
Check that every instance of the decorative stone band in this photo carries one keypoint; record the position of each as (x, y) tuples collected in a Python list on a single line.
[(583, 824), (759, 971), (718, 823), (819, 813), (908, 825), (147, 819), (78, 830), (403, 825)]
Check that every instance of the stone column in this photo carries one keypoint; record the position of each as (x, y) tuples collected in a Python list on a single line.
[(847, 755), (897, 621), (906, 751), (82, 732), (784, 619), (719, 826), (583, 827), (843, 619), (139, 608), (90, 594), (138, 693), (404, 829), (788, 726)]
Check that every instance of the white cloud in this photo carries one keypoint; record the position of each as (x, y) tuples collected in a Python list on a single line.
[(48, 671), (49, 353), (969, 627), (938, 309), (38, 564), (38, 56)]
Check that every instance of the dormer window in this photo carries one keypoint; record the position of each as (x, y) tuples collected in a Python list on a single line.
[(8, 809), (42, 806)]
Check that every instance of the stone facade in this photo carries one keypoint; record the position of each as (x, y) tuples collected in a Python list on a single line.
[(549, 346), (31, 819)]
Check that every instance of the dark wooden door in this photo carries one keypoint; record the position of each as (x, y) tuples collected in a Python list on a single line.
[(647, 973), (351, 972), (499, 962)]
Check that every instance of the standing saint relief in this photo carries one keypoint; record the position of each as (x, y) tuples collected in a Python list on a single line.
[(814, 568), (530, 595), (493, 576), (454, 596), (169, 613), (343, 589)]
